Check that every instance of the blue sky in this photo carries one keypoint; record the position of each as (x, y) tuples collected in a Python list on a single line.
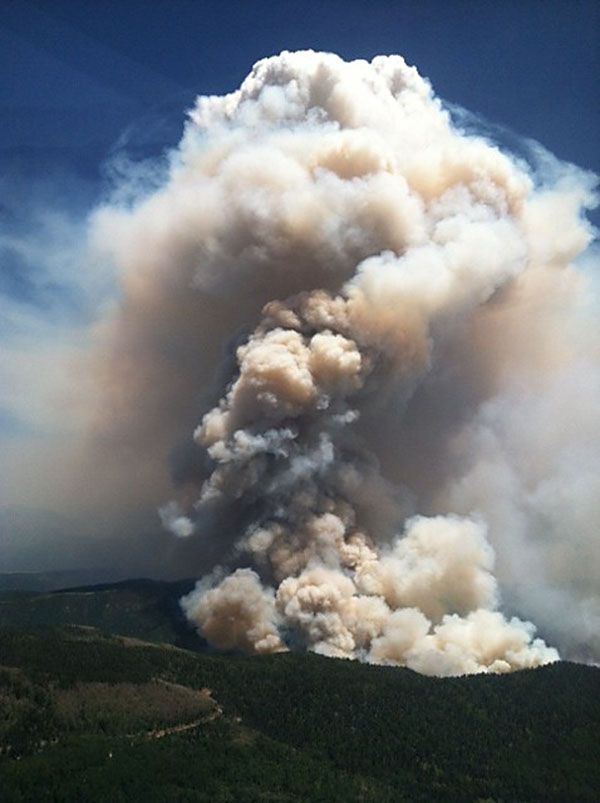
[(75, 75), (83, 81), (79, 81)]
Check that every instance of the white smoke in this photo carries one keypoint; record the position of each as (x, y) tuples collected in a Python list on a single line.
[(419, 350)]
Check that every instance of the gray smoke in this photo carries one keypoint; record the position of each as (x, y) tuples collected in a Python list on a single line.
[(403, 439)]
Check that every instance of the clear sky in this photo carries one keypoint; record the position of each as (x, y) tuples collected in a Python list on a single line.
[(78, 80), (74, 75), (81, 81)]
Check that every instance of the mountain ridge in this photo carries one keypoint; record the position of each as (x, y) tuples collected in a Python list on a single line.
[(82, 711), (90, 675)]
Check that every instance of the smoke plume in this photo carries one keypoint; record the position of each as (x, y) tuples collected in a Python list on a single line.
[(391, 349)]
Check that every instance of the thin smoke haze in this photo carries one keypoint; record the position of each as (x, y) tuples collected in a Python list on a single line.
[(383, 331)]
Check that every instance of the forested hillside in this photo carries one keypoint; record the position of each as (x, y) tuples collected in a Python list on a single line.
[(146, 609), (91, 717)]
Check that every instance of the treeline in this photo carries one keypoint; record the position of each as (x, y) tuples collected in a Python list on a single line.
[(81, 717), (146, 609)]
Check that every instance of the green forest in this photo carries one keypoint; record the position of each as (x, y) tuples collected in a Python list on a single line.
[(90, 716)]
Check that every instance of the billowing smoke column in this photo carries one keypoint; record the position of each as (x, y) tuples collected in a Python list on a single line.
[(402, 302)]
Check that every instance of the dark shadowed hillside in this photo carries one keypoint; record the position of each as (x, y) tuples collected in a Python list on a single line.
[(55, 580), (146, 609), (87, 717)]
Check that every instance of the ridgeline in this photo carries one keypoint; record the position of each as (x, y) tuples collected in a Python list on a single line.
[(87, 715)]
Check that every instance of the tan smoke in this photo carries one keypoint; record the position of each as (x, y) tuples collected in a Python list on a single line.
[(403, 316), (238, 613)]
